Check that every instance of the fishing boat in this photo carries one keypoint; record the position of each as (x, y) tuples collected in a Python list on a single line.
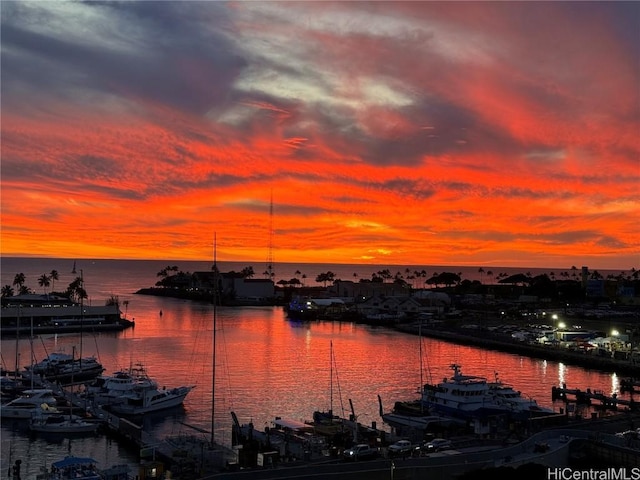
[(83, 468), (29, 402)]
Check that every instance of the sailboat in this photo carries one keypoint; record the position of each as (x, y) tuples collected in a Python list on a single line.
[(62, 367), (73, 270), (206, 453), (30, 400), (327, 417)]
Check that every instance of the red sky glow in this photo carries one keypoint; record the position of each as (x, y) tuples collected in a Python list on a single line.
[(447, 133)]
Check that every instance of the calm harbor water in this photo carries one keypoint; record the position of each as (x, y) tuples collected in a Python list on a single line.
[(266, 365)]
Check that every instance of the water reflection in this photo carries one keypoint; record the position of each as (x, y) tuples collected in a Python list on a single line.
[(267, 366)]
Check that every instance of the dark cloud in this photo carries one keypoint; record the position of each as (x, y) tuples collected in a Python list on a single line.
[(173, 61)]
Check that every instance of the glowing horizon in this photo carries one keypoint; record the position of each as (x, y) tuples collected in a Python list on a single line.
[(418, 133)]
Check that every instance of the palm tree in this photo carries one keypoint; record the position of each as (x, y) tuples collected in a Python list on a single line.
[(481, 271), (490, 274), (76, 289), (247, 272), (53, 275), (7, 291), (19, 280), (43, 281)]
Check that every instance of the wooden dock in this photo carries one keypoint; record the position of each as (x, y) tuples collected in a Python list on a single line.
[(593, 397)]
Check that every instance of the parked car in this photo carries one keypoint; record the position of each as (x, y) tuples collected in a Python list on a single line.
[(360, 452), (437, 444), (400, 448)]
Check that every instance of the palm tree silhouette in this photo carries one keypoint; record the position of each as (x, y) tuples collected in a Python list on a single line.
[(43, 281), (53, 275)]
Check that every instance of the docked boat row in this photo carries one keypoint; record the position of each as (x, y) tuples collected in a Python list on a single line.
[(126, 393)]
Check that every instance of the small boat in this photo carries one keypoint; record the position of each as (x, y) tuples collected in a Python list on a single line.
[(47, 420), (62, 367), (302, 308), (29, 402), (83, 468)]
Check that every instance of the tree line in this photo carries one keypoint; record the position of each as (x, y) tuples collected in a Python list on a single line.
[(74, 291)]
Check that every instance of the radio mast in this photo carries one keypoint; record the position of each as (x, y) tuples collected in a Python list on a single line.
[(270, 270)]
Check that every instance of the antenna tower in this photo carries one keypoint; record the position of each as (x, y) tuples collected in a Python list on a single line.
[(270, 272)]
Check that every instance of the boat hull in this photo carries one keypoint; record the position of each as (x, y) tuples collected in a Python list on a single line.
[(133, 407), (66, 429)]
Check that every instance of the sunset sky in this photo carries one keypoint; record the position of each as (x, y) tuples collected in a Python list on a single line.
[(418, 133)]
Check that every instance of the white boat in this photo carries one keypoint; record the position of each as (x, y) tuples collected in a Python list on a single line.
[(62, 367), (46, 420), (151, 400), (83, 468), (26, 404), (112, 389), (468, 396), (507, 395)]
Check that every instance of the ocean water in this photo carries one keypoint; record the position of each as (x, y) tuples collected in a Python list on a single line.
[(266, 365)]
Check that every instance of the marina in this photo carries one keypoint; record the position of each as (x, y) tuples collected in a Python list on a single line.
[(268, 366)]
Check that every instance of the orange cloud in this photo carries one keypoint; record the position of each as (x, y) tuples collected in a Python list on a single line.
[(426, 133)]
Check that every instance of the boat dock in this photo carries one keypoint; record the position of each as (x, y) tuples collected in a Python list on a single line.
[(181, 452), (588, 397)]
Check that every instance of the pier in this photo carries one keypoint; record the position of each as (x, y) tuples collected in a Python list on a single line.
[(181, 453), (588, 397)]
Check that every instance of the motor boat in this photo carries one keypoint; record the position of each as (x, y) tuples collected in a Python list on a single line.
[(29, 402)]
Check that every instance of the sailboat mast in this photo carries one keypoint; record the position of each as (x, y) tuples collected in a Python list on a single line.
[(421, 379), (81, 315), (331, 379), (213, 374), (17, 343)]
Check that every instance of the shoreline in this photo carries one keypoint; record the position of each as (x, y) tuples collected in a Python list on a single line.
[(556, 354)]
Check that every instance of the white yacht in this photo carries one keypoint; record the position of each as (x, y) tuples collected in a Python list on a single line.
[(468, 396), (62, 367), (26, 404), (151, 400), (507, 395), (112, 389)]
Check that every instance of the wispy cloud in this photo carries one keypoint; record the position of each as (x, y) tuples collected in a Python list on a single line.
[(392, 132)]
